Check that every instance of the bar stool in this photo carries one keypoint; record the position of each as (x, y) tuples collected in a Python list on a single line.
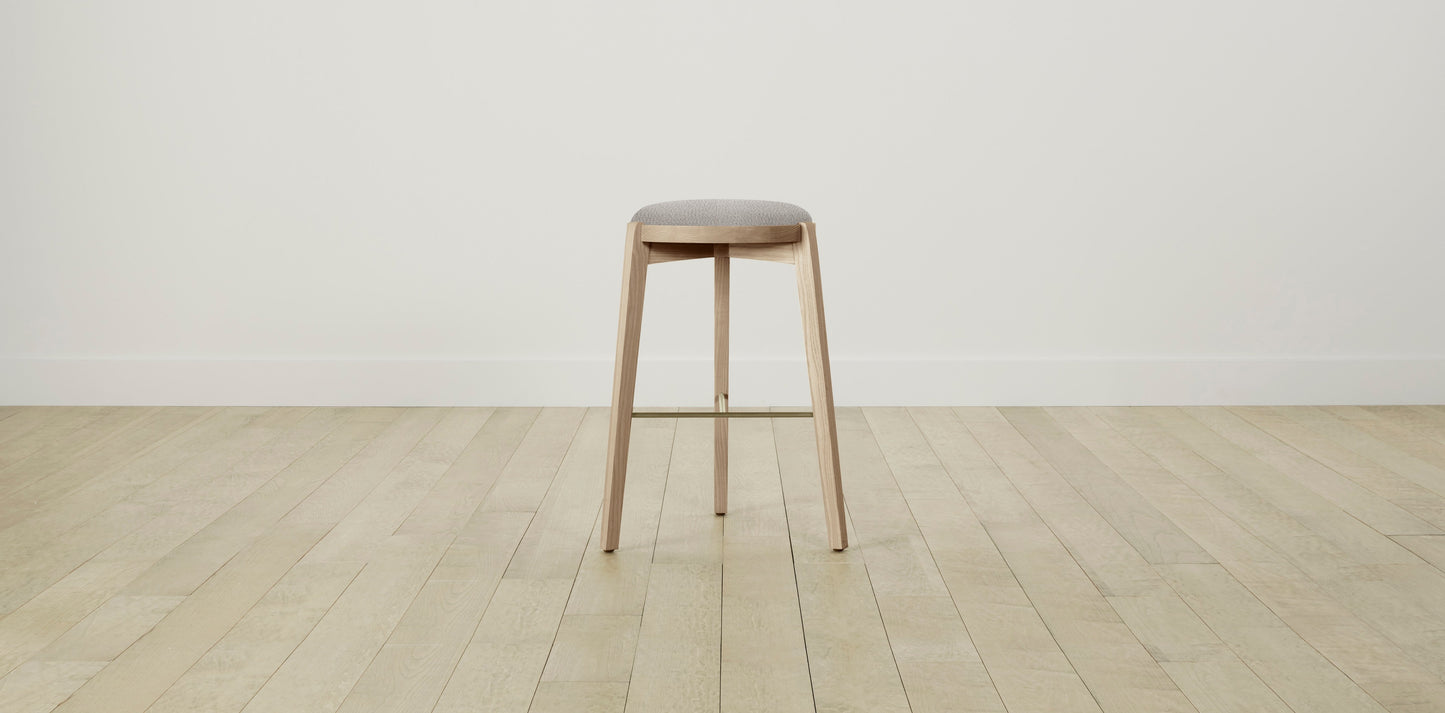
[(722, 230)]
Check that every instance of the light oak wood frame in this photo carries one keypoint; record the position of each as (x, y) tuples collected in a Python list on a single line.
[(650, 244), (722, 276)]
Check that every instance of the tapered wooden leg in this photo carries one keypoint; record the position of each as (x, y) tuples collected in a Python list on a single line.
[(820, 380), (721, 269), (624, 382)]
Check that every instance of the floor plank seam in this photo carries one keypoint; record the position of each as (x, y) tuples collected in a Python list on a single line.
[(793, 558), (1274, 548)]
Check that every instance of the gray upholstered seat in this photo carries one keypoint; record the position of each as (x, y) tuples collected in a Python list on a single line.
[(721, 211)]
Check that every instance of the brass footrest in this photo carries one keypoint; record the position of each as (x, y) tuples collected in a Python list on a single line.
[(702, 413)]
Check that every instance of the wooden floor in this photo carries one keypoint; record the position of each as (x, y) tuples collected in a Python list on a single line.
[(1018, 559)]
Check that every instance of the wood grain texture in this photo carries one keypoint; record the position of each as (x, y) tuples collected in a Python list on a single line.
[(1015, 559), (678, 657), (616, 582), (148, 433), (820, 383), (719, 234), (722, 279), (673, 252), (776, 252), (624, 383), (764, 657)]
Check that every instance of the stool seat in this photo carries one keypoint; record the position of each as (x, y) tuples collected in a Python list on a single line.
[(721, 211)]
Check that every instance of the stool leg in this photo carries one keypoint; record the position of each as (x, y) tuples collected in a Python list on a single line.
[(721, 269), (820, 380), (624, 382)]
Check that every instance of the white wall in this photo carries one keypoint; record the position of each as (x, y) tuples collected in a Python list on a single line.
[(1035, 202)]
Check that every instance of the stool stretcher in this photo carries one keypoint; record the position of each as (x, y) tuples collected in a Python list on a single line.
[(700, 413)]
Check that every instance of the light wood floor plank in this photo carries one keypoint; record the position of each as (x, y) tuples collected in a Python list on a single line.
[(895, 552), (1419, 421), (31, 526), (1349, 496), (1360, 611), (616, 582), (41, 620), (231, 672), (848, 653), (186, 566), (936, 658), (24, 420), (553, 545), (290, 533), (688, 531), (460, 490), (579, 697), (1419, 500), (182, 518), (1220, 535), (1430, 548), (1317, 550), (1153, 536), (87, 451), (1349, 527), (69, 531), (1018, 559), (764, 658), (1299, 675), (523, 482), (411, 670), (1158, 618), (110, 629), (597, 638), (1364, 438), (503, 661), (593, 647), (1226, 686), (1422, 420), (135, 679), (678, 663), (1109, 658), (852, 665), (1259, 566), (62, 436), (146, 434), (561, 446), (384, 509), (1019, 655), (1113, 561), (1424, 446), (440, 619), (1355, 644), (320, 673), (39, 686)]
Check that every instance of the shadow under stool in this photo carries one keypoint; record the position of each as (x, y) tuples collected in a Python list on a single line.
[(721, 230)]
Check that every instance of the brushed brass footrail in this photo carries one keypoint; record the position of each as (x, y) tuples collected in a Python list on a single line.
[(708, 413)]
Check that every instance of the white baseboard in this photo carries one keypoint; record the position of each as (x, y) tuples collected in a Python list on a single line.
[(687, 382)]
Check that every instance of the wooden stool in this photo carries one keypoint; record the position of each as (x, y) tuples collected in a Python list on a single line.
[(721, 229)]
